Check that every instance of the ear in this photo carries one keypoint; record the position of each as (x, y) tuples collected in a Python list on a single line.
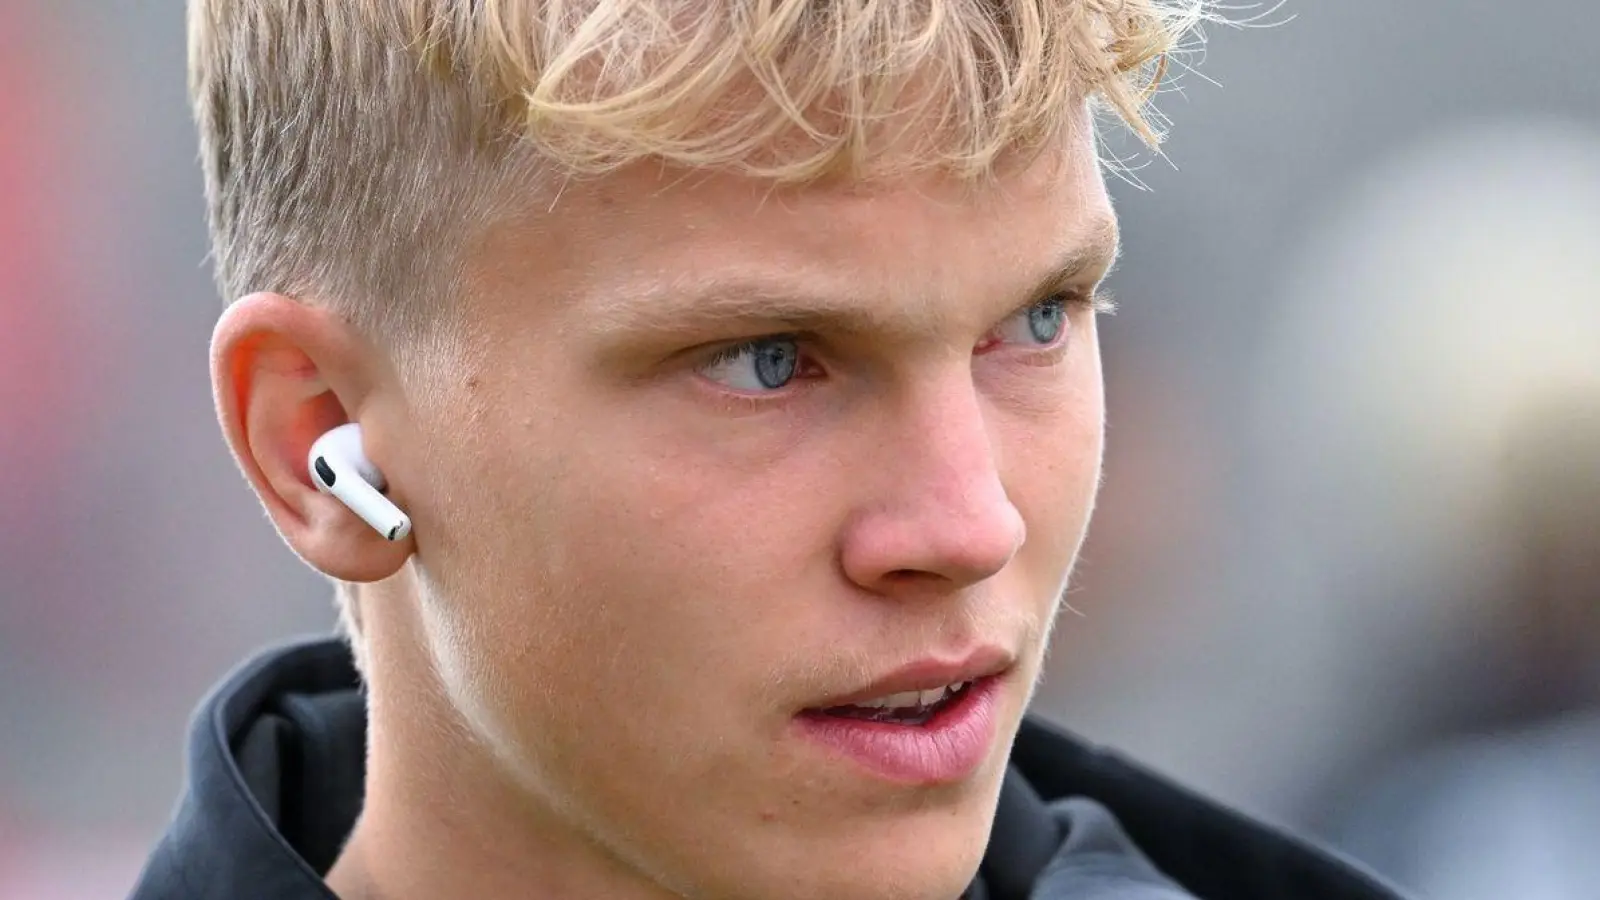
[(283, 374)]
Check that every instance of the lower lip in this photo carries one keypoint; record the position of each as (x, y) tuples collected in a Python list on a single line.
[(947, 748)]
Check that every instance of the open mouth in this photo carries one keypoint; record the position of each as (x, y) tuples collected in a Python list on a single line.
[(934, 736), (911, 708)]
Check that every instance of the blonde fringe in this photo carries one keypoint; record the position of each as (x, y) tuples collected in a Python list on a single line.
[(795, 90)]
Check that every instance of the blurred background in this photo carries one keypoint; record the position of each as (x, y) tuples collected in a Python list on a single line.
[(1346, 570)]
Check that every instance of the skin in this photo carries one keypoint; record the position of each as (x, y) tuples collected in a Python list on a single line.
[(626, 577)]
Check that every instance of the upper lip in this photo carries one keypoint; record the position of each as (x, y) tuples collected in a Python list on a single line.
[(929, 673)]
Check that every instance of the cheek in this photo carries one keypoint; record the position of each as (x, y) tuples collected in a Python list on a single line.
[(599, 558), (628, 642), (1052, 462)]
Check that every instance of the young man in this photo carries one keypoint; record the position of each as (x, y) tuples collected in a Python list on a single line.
[(736, 366)]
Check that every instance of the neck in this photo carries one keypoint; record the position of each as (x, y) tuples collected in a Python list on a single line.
[(443, 816)]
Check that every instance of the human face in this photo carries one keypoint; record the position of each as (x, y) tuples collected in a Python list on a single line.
[(654, 550)]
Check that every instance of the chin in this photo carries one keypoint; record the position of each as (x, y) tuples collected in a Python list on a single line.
[(929, 851), (928, 856)]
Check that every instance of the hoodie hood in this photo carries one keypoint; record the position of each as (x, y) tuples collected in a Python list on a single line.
[(276, 765)]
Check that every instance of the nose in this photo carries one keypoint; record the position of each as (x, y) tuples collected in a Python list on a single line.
[(936, 514)]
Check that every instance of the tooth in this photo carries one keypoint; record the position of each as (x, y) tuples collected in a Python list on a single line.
[(929, 698), (894, 701)]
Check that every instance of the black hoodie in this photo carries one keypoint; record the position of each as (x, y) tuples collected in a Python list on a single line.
[(275, 771)]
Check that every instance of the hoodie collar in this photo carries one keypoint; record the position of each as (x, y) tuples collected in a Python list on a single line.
[(276, 770)]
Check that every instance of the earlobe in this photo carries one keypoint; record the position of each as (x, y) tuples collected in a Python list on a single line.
[(284, 375)]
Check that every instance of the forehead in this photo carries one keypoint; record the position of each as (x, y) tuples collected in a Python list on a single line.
[(1063, 182), (649, 231)]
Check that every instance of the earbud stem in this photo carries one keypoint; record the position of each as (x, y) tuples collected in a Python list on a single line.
[(339, 467)]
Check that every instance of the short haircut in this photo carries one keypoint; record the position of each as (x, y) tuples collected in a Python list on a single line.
[(352, 149)]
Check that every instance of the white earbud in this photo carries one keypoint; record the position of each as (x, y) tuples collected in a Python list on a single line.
[(339, 466)]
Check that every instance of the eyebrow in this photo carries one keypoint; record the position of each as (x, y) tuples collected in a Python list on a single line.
[(756, 301)]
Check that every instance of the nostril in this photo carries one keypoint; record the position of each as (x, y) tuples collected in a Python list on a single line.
[(913, 578)]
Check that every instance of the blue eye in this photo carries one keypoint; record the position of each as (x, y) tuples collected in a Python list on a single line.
[(763, 365), (1040, 324)]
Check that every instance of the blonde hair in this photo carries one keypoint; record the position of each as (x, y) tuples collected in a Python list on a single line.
[(350, 147), (354, 149)]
